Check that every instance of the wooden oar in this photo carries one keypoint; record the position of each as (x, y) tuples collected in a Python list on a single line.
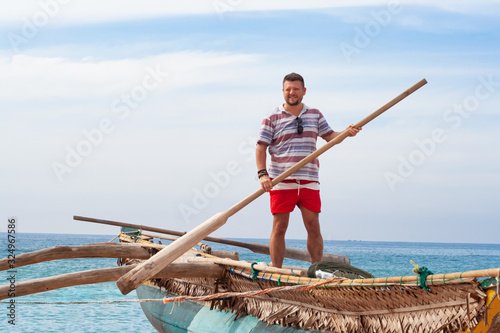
[(162, 259), (291, 253)]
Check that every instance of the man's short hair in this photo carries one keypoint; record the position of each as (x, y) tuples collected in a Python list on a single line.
[(294, 77)]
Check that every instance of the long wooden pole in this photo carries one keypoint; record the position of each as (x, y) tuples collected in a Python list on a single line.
[(162, 259), (291, 253), (175, 270)]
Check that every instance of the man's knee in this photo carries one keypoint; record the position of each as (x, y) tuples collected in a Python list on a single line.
[(280, 223), (314, 232), (312, 226), (311, 220)]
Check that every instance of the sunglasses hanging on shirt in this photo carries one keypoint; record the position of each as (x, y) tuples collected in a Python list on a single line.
[(300, 129)]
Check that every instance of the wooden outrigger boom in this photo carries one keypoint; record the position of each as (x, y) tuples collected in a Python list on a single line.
[(102, 250), (180, 270)]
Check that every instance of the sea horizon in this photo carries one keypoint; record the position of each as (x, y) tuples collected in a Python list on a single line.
[(263, 239)]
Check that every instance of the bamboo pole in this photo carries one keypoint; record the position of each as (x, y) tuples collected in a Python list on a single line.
[(172, 239), (491, 272), (100, 250), (168, 238), (179, 270), (140, 242), (133, 279), (291, 253), (259, 266)]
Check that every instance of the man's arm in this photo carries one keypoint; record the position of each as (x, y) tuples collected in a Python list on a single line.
[(260, 154), (352, 132)]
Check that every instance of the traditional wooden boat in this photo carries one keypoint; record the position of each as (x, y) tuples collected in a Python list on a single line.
[(250, 297), (213, 291), (469, 306)]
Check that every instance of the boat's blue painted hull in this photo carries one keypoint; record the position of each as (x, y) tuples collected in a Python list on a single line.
[(194, 317)]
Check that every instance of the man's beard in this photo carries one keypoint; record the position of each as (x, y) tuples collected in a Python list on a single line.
[(297, 102)]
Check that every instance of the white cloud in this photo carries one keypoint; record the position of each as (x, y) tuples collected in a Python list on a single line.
[(92, 11), (74, 12), (57, 77)]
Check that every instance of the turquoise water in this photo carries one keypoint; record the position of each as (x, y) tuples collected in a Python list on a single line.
[(379, 258)]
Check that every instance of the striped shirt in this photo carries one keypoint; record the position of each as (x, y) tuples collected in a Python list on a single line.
[(286, 147)]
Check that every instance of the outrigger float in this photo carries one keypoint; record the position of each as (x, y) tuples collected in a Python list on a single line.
[(184, 289)]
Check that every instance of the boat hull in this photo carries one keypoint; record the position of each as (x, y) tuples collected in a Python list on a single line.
[(195, 317)]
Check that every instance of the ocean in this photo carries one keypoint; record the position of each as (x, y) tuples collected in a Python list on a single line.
[(379, 258)]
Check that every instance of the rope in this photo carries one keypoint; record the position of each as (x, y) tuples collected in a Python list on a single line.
[(114, 238), (423, 272), (249, 293), (254, 272)]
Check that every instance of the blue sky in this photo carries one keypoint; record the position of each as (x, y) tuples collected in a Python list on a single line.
[(147, 112)]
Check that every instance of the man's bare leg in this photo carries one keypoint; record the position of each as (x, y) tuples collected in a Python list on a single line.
[(314, 238), (277, 239)]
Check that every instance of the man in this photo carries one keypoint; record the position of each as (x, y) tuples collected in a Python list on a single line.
[(290, 133)]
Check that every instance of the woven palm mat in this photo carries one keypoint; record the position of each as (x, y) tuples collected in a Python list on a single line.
[(401, 309)]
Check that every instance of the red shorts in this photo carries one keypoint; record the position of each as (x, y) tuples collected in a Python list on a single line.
[(284, 201)]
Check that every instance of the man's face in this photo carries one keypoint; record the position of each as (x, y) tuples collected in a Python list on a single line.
[(293, 91)]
